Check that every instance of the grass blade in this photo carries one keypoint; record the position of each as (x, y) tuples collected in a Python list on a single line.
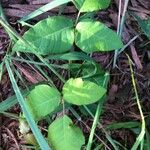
[(124, 125), (106, 134), (120, 27), (16, 34), (8, 103), (2, 15), (49, 6), (40, 139), (11, 101), (140, 138), (1, 70), (97, 114)]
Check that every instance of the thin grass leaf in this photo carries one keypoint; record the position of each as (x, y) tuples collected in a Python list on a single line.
[(2, 15), (8, 103), (16, 34), (40, 70), (97, 114), (1, 70), (11, 101), (124, 125), (147, 147), (43, 9), (108, 137), (121, 146), (125, 46), (11, 115), (19, 76), (120, 28), (40, 139), (140, 138)]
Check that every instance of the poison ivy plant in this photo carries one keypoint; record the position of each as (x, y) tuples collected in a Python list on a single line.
[(43, 100), (98, 38), (64, 135), (79, 92), (58, 37), (91, 5), (52, 35), (98, 76)]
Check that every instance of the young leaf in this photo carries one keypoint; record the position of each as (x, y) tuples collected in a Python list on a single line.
[(63, 135), (43, 100), (94, 36), (79, 92), (99, 75), (52, 35), (91, 5)]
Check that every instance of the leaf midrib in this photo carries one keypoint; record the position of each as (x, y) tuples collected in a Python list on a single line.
[(49, 35)]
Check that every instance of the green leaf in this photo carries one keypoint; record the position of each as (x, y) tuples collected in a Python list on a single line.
[(43, 100), (52, 35), (99, 77), (71, 56), (88, 68), (64, 135), (51, 5), (94, 36), (144, 24), (78, 3), (79, 92), (91, 5)]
